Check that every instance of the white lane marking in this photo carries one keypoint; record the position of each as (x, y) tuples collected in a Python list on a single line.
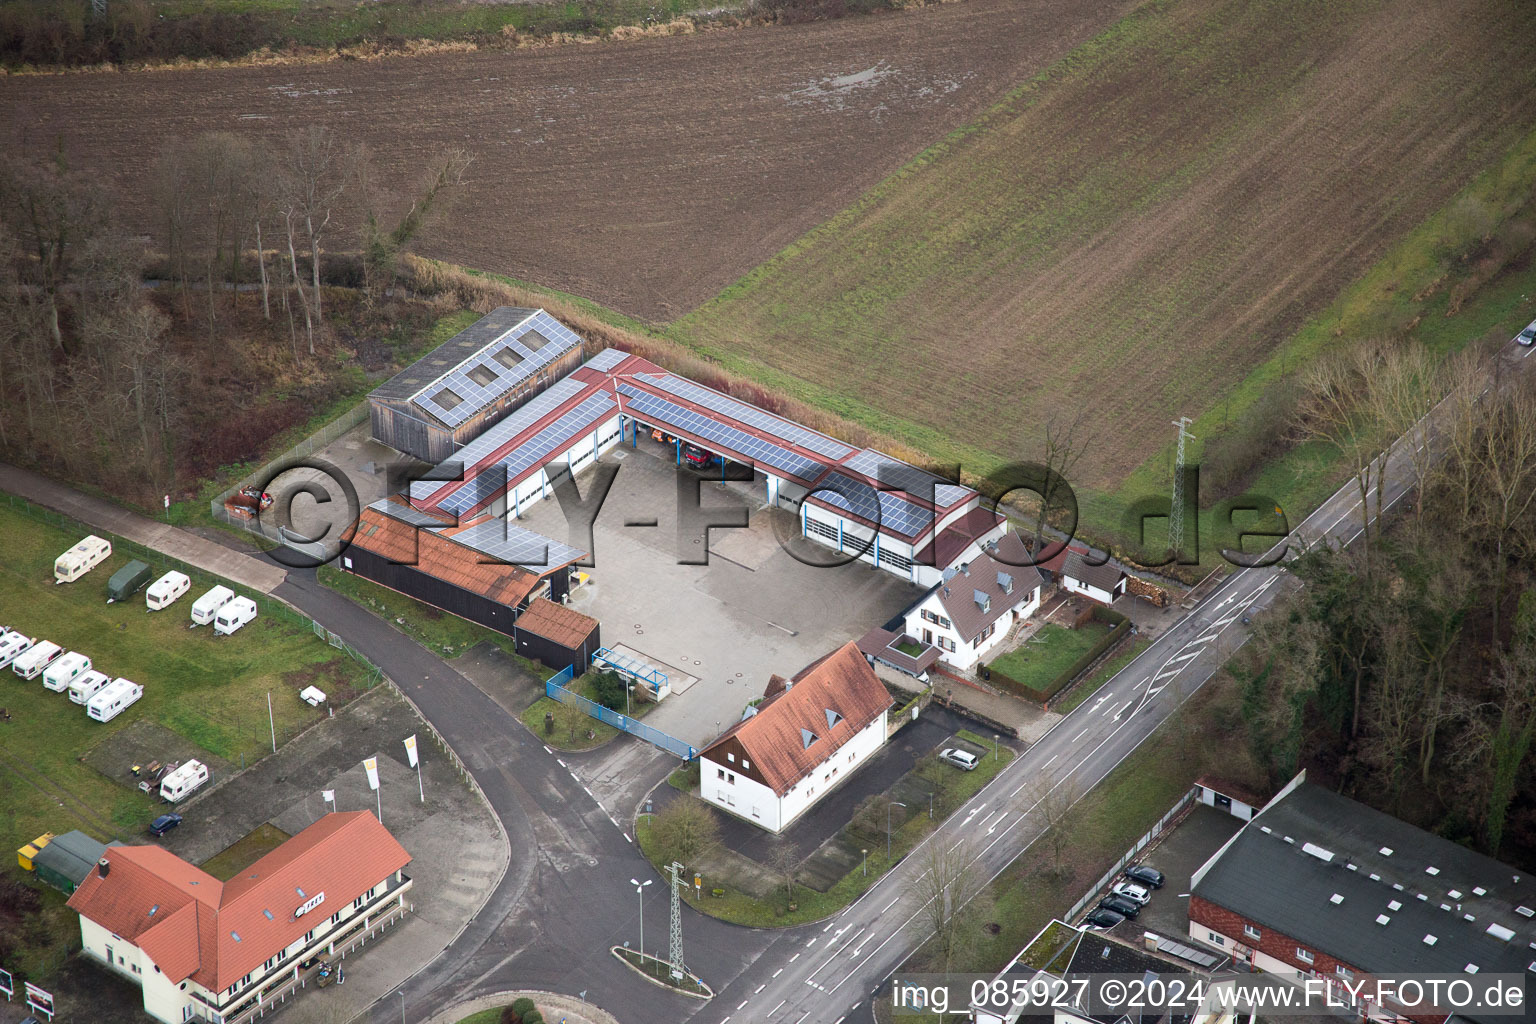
[(760, 988), (1185, 657), (561, 763), (743, 1003), (775, 975), (791, 960), (776, 1008), (889, 905), (1079, 736), (1046, 765), (627, 839)]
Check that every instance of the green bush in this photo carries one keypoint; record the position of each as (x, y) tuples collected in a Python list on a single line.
[(522, 1006), (608, 690), (509, 1015), (533, 1017)]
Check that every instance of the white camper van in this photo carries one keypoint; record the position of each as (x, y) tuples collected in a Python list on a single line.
[(66, 670), (31, 664), (165, 590), (234, 615), (81, 559), (12, 646), (184, 781), (113, 698), (88, 686), (207, 606)]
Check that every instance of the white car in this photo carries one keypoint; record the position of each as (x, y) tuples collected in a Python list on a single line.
[(962, 759), (1527, 337), (1131, 891)]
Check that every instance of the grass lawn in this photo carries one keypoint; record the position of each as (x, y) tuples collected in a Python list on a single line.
[(572, 724), (660, 970), (1103, 674), (238, 856), (211, 691), (910, 649), (491, 1016), (952, 789), (1051, 651)]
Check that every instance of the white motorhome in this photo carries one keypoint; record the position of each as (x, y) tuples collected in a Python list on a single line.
[(12, 646), (207, 606), (165, 590), (81, 559), (66, 670), (184, 781), (234, 615), (113, 698), (88, 686), (31, 664)]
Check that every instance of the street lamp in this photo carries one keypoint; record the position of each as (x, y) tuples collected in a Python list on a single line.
[(640, 890), (893, 803), (628, 686), (930, 805), (995, 738), (402, 1006), (865, 852)]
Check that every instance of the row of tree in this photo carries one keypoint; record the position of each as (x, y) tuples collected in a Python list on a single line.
[(1405, 666)]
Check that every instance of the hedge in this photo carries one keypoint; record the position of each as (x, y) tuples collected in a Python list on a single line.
[(1122, 626)]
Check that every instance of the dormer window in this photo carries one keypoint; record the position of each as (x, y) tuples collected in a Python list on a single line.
[(833, 718), (807, 738), (983, 600), (1005, 582)]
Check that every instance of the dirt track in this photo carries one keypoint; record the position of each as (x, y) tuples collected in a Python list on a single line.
[(646, 175)]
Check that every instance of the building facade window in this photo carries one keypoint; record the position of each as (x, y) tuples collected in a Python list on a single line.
[(1215, 940), (1344, 972), (1250, 932), (1304, 955)]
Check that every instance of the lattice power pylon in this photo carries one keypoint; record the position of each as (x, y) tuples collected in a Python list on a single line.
[(1176, 513), (676, 951)]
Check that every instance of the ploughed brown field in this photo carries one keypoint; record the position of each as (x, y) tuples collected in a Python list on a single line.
[(646, 175)]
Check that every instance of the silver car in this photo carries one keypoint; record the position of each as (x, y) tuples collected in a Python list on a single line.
[(1131, 891), (1527, 337), (962, 759)]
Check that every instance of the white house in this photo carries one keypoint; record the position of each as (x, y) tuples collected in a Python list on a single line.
[(224, 952), (972, 610), (807, 735), (1101, 583)]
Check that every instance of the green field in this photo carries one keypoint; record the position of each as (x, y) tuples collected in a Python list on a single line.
[(1140, 231), (209, 691)]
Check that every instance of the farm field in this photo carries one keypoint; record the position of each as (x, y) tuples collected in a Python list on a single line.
[(645, 175), (1133, 231), (199, 691)]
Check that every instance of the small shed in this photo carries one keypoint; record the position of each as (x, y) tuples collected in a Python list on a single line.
[(556, 635), (448, 397), (66, 861)]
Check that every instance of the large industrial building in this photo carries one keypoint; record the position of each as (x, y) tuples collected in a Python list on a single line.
[(446, 398), (868, 505)]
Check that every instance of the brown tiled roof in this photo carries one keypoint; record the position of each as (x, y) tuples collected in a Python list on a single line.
[(958, 595), (879, 643), (1059, 558), (565, 626), (774, 739), (191, 932), (1104, 577), (957, 536), (437, 555)]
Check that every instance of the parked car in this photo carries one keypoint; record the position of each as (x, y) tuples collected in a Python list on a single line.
[(1132, 891), (1527, 337), (962, 759), (163, 824), (1120, 905), (1102, 918), (1150, 877)]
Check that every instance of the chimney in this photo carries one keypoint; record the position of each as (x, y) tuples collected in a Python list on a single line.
[(965, 567), (102, 867)]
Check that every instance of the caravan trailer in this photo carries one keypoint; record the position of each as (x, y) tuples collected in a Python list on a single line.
[(113, 698), (41, 655), (12, 646), (127, 581), (184, 781), (66, 670), (165, 590), (207, 606), (234, 615), (88, 686), (81, 559)]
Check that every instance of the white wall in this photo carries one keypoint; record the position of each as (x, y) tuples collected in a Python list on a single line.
[(1078, 587), (579, 453), (738, 794), (965, 656), (821, 781)]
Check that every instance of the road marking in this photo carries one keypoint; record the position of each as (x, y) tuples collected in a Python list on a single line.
[(775, 975), (776, 1008), (808, 945), (627, 839), (1121, 710), (561, 763), (1079, 736), (829, 926), (760, 988), (1185, 657), (791, 960), (743, 1003), (1046, 765), (891, 904)]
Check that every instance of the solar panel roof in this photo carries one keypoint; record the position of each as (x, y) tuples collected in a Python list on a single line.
[(607, 359), (504, 542), (654, 409), (892, 473), (751, 415), (521, 419), (406, 514), (886, 508), (558, 435), (496, 368)]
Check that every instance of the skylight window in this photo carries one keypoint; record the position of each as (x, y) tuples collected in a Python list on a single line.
[(1454, 894), (1471, 968), (1479, 891), (268, 915), (1394, 906), (1430, 940), (1382, 919), (299, 891), (1335, 899), (1385, 851), (1431, 870), (1500, 932), (153, 910), (482, 375), (236, 936), (1326, 856), (508, 358), (447, 399), (1525, 912)]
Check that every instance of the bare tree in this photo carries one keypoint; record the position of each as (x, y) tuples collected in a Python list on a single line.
[(1506, 469), (51, 213), (785, 863), (949, 881), (382, 248), (685, 830), (1052, 798), (1065, 441), (318, 170), (1402, 389)]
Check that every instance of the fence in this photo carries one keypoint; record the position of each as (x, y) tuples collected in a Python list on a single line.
[(554, 687), (1183, 804), (314, 442), (1120, 626)]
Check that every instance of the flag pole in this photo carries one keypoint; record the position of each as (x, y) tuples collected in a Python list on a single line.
[(419, 787)]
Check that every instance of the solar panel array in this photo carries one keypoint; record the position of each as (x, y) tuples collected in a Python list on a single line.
[(522, 418), (406, 514), (486, 484), (883, 507), (607, 359), (507, 543), (475, 396), (751, 415), (654, 409), (893, 473)]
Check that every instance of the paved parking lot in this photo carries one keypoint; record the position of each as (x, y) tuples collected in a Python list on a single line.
[(751, 611), (1178, 855)]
